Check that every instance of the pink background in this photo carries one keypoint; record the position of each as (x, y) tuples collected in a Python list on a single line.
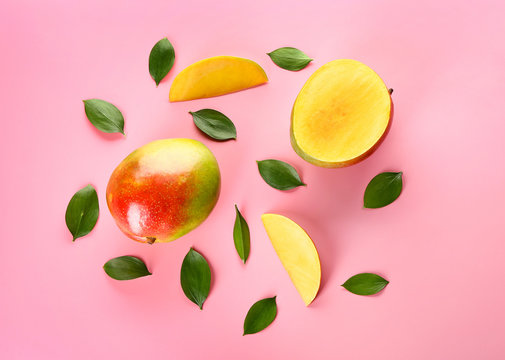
[(441, 244)]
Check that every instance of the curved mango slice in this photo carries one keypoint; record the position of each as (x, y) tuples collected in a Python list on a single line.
[(341, 114), (216, 76), (297, 253)]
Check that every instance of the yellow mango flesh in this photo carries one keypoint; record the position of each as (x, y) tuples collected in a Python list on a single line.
[(340, 115), (216, 76), (297, 253)]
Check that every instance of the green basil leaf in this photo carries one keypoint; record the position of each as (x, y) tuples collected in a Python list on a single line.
[(82, 212), (279, 175), (383, 189), (104, 116), (215, 124), (126, 268), (365, 284), (290, 58), (260, 315), (241, 236), (195, 277), (161, 60)]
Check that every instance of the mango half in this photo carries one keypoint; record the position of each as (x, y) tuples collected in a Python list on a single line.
[(216, 76), (341, 114)]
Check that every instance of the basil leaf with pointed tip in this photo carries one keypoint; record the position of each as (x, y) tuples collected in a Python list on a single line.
[(383, 189), (82, 212), (215, 124), (104, 116), (279, 174), (126, 268), (161, 60), (260, 315), (290, 58), (365, 284), (195, 277), (241, 236)]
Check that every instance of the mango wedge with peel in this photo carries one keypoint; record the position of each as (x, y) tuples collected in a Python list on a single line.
[(216, 76), (341, 114), (297, 253)]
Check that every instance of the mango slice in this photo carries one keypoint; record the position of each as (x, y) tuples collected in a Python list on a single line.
[(297, 253), (216, 76), (341, 114)]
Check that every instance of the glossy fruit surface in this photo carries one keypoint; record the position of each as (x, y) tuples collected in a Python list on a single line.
[(164, 189)]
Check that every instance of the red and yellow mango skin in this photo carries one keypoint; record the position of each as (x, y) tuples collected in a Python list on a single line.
[(164, 190)]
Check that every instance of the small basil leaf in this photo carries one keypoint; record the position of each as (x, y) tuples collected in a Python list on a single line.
[(215, 124), (241, 236), (104, 116), (82, 212), (195, 277), (290, 58), (383, 189), (365, 284), (260, 315), (279, 175), (161, 60), (126, 268)]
